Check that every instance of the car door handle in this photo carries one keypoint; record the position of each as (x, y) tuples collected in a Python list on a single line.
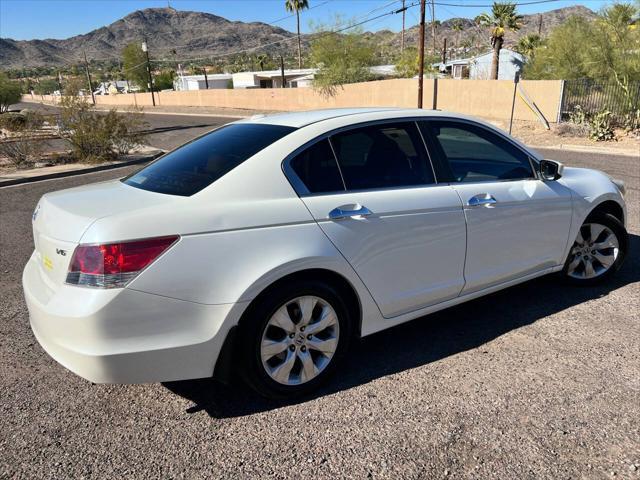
[(482, 199), (349, 211)]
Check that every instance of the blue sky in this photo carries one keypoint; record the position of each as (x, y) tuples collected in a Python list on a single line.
[(28, 19)]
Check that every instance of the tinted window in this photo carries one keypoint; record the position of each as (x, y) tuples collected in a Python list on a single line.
[(474, 154), (317, 168), (380, 156), (198, 164)]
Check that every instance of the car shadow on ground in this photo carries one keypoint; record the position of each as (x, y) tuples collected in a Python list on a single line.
[(421, 341)]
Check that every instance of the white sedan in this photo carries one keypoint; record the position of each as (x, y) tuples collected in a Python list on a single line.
[(269, 244)]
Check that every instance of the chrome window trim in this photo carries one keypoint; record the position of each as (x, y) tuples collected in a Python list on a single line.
[(301, 189), (530, 157)]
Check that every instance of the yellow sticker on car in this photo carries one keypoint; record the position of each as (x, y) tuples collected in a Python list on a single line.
[(48, 264)]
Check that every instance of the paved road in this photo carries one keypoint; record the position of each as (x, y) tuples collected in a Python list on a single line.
[(539, 381), (163, 131)]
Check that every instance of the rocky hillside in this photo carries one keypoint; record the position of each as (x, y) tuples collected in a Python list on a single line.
[(477, 38), (188, 33), (179, 34)]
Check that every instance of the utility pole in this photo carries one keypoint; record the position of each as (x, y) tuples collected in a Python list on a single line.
[(540, 25), (421, 54), (145, 49), (444, 50), (404, 9), (206, 80), (86, 69), (282, 71), (433, 25)]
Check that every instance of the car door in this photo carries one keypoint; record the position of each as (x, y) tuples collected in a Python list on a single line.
[(517, 224), (373, 193)]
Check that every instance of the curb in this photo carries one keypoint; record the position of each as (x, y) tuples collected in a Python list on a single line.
[(587, 149), (73, 173)]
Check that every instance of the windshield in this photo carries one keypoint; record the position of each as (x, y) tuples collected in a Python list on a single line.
[(198, 164)]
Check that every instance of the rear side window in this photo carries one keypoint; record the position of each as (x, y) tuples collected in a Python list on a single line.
[(473, 154), (198, 164), (382, 156), (317, 168)]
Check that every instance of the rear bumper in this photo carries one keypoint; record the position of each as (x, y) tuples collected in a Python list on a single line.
[(123, 335)]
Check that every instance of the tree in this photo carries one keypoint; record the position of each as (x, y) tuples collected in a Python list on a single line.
[(503, 17), (46, 86), (340, 58), (73, 85), (602, 50), (135, 65), (528, 44), (296, 6), (407, 64), (458, 26), (164, 80), (10, 93)]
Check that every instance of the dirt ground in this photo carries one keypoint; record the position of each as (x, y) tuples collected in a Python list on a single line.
[(540, 381)]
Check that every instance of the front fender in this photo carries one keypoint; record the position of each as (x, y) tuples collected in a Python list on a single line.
[(589, 188)]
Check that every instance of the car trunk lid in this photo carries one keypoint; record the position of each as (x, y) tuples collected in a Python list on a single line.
[(61, 218)]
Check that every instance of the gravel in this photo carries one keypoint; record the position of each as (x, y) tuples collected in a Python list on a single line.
[(539, 381)]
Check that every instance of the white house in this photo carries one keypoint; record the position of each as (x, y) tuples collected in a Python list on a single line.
[(510, 63), (198, 82), (299, 77), (479, 68)]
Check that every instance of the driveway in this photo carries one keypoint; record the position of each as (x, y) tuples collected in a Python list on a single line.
[(539, 381)]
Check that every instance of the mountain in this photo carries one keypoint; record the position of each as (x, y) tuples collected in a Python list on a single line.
[(190, 34), (197, 34), (476, 38)]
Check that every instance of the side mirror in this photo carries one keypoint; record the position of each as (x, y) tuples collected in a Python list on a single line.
[(550, 169)]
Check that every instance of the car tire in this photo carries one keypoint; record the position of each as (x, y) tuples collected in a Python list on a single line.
[(586, 265), (261, 330)]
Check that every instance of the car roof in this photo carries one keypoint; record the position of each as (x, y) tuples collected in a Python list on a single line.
[(339, 117), (349, 115)]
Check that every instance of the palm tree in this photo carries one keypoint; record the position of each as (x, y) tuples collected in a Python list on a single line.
[(503, 16), (527, 45), (457, 27), (296, 6)]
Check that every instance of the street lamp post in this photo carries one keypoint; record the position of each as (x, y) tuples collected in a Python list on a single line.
[(145, 49)]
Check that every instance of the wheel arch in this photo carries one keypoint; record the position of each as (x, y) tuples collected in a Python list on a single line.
[(611, 207), (224, 363), (331, 277)]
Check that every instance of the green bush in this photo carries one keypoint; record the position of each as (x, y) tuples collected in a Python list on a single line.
[(96, 136), (10, 92)]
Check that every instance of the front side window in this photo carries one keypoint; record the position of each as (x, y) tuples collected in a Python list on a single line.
[(317, 168), (198, 164), (382, 156), (473, 154)]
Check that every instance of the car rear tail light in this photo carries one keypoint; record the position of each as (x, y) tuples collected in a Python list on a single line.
[(114, 265)]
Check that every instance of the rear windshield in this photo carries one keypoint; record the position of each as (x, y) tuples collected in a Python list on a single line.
[(198, 164)]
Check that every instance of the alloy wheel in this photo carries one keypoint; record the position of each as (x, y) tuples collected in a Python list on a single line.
[(299, 340), (594, 252)]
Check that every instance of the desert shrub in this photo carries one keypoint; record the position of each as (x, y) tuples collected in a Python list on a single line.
[(18, 122), (631, 122), (578, 116), (568, 129), (21, 150), (96, 136), (14, 122), (600, 128)]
